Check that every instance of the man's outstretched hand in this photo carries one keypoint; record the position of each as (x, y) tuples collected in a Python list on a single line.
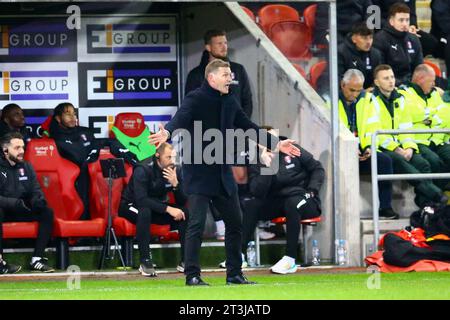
[(159, 137), (287, 147)]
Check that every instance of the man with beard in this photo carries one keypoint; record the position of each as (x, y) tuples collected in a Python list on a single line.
[(22, 200), (216, 47), (145, 201)]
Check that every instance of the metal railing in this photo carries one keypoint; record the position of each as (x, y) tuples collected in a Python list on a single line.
[(384, 177)]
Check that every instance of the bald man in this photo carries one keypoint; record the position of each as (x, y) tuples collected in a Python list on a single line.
[(424, 102)]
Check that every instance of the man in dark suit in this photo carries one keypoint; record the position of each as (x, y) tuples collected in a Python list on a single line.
[(210, 109)]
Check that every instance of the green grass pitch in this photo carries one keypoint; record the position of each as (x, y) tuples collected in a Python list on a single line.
[(297, 286)]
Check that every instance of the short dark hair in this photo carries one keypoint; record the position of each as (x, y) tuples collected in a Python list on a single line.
[(381, 67), (361, 29), (398, 7), (60, 108), (213, 33), (7, 137), (7, 110)]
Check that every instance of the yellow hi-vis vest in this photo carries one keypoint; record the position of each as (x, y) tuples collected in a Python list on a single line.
[(443, 115), (401, 120), (367, 120), (422, 110)]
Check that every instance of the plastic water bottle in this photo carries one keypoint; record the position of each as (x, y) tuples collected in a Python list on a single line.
[(251, 254), (315, 253), (342, 253)]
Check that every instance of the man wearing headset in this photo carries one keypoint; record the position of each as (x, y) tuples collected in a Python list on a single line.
[(145, 201), (21, 199)]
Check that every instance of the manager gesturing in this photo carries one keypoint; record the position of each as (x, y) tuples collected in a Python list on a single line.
[(210, 108)]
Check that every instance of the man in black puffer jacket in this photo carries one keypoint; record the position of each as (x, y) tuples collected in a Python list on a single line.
[(216, 47), (77, 144), (357, 53), (400, 49), (292, 192), (145, 201), (22, 200)]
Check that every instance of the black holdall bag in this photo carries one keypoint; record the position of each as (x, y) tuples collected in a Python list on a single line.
[(433, 220)]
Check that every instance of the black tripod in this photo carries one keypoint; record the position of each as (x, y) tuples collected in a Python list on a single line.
[(111, 169)]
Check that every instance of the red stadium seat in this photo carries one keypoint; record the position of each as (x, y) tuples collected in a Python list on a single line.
[(273, 13), (98, 199), (249, 13), (131, 131), (19, 230), (57, 176), (435, 67), (309, 15), (293, 39), (316, 71)]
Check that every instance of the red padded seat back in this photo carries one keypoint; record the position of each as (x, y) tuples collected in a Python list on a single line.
[(273, 13), (129, 123), (309, 14), (293, 39), (98, 195), (56, 176)]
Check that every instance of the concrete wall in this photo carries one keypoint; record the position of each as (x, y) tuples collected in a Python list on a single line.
[(283, 99)]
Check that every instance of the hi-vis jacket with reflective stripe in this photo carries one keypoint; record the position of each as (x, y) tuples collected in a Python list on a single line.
[(401, 119), (423, 108), (443, 114), (367, 120)]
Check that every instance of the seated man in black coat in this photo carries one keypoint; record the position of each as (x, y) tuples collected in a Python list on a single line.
[(22, 200), (400, 48), (77, 144), (292, 192), (145, 201)]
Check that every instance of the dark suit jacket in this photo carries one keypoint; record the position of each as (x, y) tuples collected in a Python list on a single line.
[(212, 109)]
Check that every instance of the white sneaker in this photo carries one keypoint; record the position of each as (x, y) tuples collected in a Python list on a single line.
[(265, 235), (284, 266), (243, 265)]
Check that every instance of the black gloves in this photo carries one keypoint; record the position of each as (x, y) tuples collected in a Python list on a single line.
[(20, 206)]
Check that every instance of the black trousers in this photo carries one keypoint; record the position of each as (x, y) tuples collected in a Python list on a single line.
[(266, 209), (230, 211), (385, 166), (143, 217), (82, 186), (45, 219)]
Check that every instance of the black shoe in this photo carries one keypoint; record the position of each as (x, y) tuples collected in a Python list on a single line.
[(147, 268), (180, 267), (6, 268), (41, 266), (239, 279), (388, 214), (196, 281)]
